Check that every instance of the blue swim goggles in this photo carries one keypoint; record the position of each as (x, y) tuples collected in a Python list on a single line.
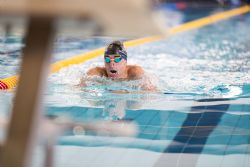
[(117, 59), (121, 55)]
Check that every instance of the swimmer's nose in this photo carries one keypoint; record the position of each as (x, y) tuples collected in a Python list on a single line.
[(112, 63)]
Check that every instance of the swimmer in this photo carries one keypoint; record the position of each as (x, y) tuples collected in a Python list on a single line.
[(116, 68)]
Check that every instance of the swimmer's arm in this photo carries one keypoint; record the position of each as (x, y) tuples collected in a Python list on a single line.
[(97, 71), (120, 91), (135, 72)]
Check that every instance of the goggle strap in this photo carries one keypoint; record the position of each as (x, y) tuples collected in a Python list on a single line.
[(123, 54)]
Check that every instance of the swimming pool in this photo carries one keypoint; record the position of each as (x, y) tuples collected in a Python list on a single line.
[(200, 116)]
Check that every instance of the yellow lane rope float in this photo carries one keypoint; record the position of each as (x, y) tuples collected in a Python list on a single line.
[(11, 82)]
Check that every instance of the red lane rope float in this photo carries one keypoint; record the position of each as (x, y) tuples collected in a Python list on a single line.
[(3, 85), (8, 83)]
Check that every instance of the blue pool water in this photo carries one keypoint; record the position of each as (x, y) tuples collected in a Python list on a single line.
[(199, 117)]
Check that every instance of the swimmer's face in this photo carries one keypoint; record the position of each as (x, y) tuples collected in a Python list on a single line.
[(115, 66)]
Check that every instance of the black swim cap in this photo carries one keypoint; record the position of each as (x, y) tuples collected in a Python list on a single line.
[(116, 47)]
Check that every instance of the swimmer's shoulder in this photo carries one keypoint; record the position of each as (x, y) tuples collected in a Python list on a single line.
[(135, 72), (97, 71)]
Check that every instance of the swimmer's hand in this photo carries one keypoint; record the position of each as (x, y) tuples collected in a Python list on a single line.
[(82, 83), (149, 87), (149, 83)]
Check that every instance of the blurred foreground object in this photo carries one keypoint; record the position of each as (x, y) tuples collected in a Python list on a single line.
[(105, 17)]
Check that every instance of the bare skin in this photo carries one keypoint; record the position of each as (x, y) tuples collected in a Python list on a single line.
[(133, 72), (118, 71)]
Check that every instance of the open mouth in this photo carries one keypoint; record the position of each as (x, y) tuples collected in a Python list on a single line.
[(113, 71)]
